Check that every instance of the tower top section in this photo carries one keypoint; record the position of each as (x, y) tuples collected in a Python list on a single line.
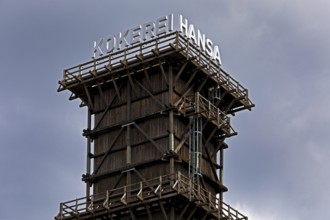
[(146, 46)]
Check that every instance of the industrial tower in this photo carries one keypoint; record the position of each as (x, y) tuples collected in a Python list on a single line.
[(158, 117)]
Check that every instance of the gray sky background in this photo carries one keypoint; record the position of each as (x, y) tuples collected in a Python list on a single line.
[(276, 168)]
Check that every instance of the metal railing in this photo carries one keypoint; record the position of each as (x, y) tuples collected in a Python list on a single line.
[(194, 192), (115, 60), (174, 41), (161, 187), (198, 104), (199, 57)]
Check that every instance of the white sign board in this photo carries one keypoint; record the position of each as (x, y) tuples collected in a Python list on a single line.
[(154, 29)]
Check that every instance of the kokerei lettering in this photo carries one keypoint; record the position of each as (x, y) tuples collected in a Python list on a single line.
[(153, 29)]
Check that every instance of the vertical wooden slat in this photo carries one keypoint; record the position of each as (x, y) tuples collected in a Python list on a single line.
[(88, 159)]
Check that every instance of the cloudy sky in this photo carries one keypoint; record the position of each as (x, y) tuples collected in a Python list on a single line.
[(276, 168)]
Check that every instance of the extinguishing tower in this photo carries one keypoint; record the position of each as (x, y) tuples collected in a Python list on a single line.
[(158, 115)]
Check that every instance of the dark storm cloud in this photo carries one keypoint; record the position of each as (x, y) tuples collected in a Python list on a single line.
[(283, 57), (276, 168)]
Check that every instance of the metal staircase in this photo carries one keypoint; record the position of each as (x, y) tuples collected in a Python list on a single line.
[(195, 149)]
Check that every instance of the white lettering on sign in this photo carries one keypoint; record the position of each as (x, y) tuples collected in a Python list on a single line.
[(150, 30), (204, 44)]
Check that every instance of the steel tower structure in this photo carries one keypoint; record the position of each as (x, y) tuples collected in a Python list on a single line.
[(158, 117)]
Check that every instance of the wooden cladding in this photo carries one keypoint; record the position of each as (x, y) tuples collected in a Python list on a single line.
[(130, 149), (142, 116)]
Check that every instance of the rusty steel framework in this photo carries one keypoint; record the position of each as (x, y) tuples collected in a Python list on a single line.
[(144, 103)]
